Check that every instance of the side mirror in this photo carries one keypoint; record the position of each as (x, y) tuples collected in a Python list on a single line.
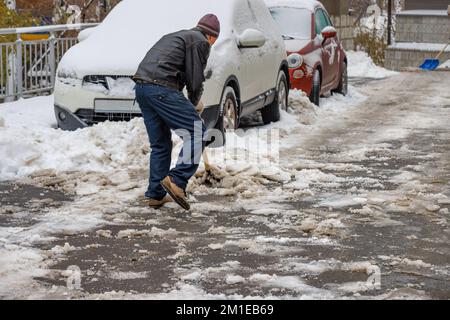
[(329, 32), (251, 38)]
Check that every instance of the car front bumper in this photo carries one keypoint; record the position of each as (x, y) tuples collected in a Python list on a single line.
[(83, 118), (304, 84)]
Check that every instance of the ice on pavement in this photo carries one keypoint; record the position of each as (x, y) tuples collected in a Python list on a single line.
[(110, 161), (106, 166)]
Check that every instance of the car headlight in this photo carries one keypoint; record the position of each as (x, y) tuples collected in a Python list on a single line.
[(295, 60)]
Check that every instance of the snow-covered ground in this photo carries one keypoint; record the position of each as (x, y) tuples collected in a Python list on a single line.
[(110, 160), (105, 168), (361, 65)]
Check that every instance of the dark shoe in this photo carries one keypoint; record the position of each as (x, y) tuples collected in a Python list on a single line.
[(178, 195), (156, 204)]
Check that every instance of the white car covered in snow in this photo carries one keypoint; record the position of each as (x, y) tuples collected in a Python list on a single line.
[(247, 70)]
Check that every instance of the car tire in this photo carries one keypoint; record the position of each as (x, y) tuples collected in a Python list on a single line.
[(343, 83), (228, 119), (316, 87), (271, 112)]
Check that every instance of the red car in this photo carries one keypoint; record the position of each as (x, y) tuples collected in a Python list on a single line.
[(317, 60)]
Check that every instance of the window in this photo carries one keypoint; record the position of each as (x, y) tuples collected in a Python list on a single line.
[(243, 17), (322, 21), (293, 22), (329, 23)]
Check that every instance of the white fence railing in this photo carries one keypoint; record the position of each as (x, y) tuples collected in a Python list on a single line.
[(28, 68)]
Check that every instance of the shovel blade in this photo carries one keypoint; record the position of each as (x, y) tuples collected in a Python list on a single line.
[(430, 64)]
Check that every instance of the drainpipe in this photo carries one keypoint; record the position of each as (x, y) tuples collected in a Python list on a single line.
[(389, 22)]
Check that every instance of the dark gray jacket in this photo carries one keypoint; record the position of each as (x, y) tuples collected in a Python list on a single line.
[(178, 60)]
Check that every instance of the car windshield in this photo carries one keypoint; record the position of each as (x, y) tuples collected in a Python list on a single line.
[(295, 23)]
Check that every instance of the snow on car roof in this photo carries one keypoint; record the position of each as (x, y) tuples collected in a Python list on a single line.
[(133, 26), (306, 4)]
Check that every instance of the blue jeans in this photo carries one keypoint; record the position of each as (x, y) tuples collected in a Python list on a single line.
[(164, 109)]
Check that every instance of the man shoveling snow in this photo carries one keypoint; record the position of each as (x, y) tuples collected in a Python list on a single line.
[(176, 61)]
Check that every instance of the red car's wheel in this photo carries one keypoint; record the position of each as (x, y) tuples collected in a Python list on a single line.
[(343, 82)]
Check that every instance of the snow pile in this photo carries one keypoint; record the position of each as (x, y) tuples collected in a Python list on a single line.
[(116, 154), (25, 113), (443, 66), (361, 65), (254, 152), (300, 104), (106, 147), (111, 147)]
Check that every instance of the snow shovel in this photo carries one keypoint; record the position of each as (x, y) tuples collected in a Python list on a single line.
[(199, 108), (212, 174), (432, 64)]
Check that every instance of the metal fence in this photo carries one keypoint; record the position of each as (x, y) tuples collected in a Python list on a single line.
[(28, 68)]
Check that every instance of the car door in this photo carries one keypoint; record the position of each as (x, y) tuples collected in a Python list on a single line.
[(334, 51), (248, 60), (269, 54), (328, 50)]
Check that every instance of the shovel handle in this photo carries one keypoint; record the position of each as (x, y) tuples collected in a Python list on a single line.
[(442, 51), (206, 161)]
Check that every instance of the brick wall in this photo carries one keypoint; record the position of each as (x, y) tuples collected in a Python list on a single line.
[(398, 59), (431, 29)]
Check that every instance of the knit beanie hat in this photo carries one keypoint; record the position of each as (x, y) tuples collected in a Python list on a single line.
[(210, 25)]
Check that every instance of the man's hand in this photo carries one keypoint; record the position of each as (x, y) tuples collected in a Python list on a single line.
[(200, 107)]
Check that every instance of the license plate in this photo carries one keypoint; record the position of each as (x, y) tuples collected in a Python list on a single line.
[(116, 105)]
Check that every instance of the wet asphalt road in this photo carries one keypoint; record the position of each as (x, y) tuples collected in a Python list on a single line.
[(414, 231)]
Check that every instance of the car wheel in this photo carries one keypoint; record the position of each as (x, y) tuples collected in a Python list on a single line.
[(271, 112), (228, 119), (343, 83), (229, 116), (315, 93)]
